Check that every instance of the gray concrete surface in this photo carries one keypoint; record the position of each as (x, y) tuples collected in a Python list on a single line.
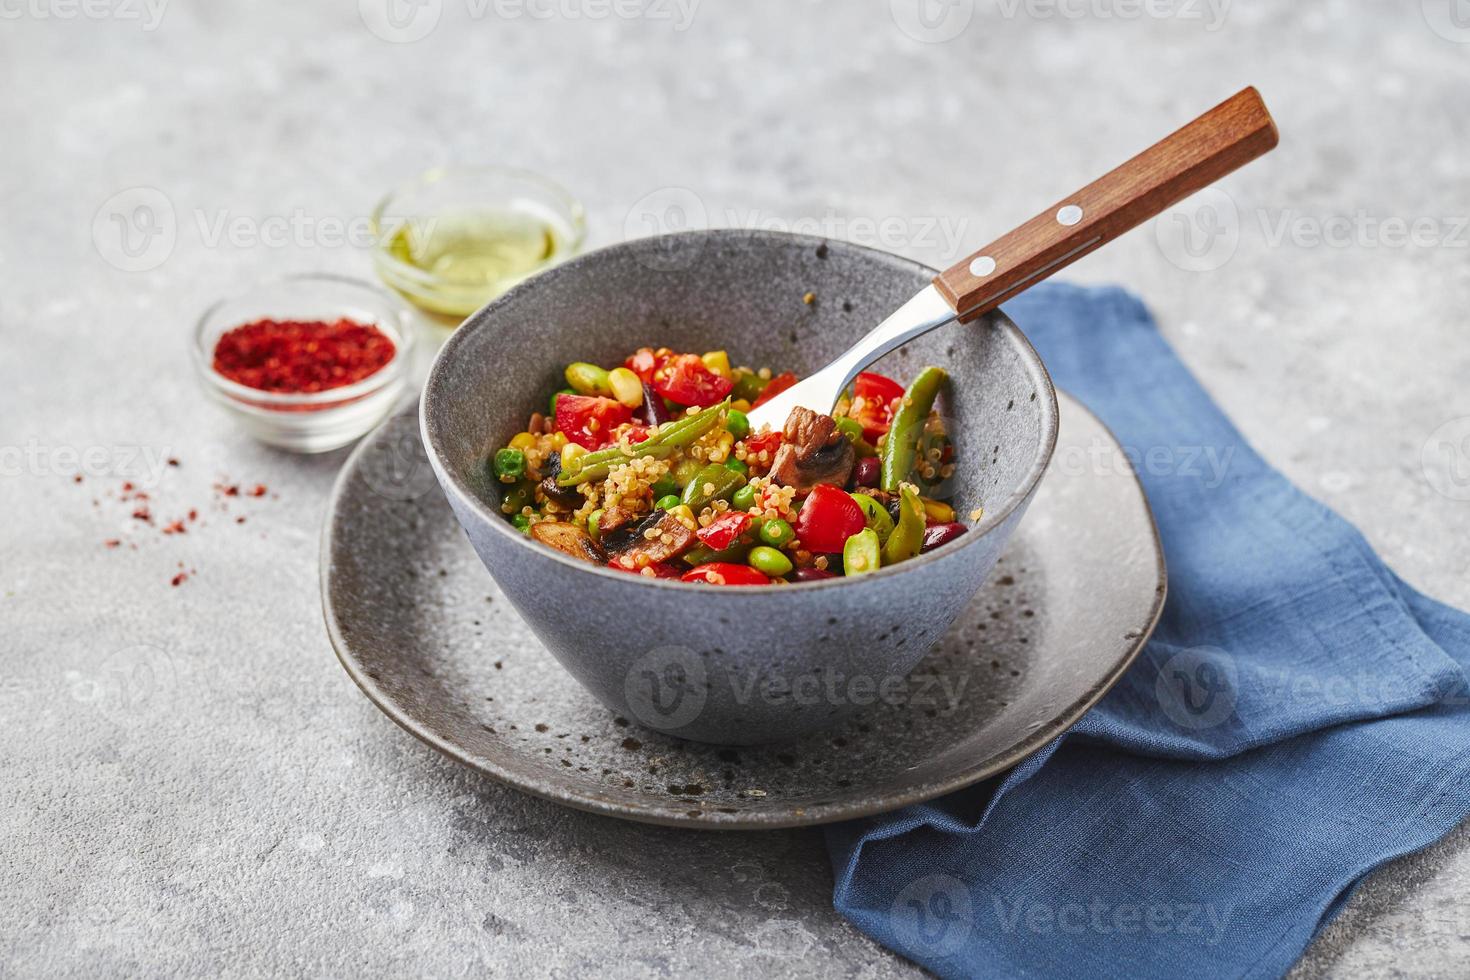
[(193, 785)]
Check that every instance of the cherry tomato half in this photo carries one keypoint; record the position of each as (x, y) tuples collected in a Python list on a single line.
[(874, 400), (589, 420), (773, 388), (723, 530), (725, 573), (828, 518), (685, 380)]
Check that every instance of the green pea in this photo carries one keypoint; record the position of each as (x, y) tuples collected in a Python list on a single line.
[(737, 466), (744, 498), (668, 501), (558, 394), (593, 519), (588, 379), (509, 465), (769, 560), (664, 486), (522, 523), (777, 533), (738, 423)]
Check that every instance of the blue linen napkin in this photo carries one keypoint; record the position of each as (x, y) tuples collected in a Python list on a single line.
[(1298, 718)]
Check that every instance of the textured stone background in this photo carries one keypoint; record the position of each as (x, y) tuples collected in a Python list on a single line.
[(191, 782)]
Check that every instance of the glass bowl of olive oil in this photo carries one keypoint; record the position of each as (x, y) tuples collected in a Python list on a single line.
[(456, 238)]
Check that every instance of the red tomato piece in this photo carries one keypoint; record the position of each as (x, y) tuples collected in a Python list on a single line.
[(725, 573), (874, 400), (637, 432), (828, 518), (723, 530), (685, 380), (643, 363), (589, 420), (661, 569), (767, 441), (773, 388)]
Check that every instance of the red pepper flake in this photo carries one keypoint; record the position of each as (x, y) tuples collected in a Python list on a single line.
[(227, 489), (176, 527), (302, 356), (142, 514), (193, 515), (77, 478), (179, 579), (112, 542), (173, 461), (240, 520), (259, 490)]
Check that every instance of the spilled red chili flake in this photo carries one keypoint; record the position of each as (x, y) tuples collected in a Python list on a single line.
[(302, 356)]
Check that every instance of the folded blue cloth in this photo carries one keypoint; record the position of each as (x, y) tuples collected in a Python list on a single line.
[(1298, 718)]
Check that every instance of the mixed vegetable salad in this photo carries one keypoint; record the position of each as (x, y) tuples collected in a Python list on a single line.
[(651, 468)]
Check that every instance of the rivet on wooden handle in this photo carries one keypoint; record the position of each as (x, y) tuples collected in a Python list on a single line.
[(1227, 137)]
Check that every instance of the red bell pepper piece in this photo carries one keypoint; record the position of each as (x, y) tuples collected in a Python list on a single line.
[(723, 530)]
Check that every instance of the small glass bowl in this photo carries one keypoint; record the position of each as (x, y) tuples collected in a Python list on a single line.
[(477, 231), (317, 421)]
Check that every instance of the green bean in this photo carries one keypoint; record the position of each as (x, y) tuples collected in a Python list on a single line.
[(588, 379), (509, 465), (903, 438), (768, 560), (876, 515), (662, 444), (908, 536), (860, 554), (777, 532), (714, 482), (744, 498), (738, 423), (854, 432)]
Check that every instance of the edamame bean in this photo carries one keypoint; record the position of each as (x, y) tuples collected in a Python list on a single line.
[(777, 533), (768, 560)]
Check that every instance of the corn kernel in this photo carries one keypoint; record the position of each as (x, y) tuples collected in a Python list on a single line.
[(719, 362), (522, 441)]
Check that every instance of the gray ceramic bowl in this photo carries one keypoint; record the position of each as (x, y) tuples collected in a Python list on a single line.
[(737, 665)]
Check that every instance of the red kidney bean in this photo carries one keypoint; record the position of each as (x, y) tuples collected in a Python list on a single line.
[(811, 574), (938, 534), (867, 471), (653, 411)]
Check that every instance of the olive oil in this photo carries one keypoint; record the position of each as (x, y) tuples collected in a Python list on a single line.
[(465, 258)]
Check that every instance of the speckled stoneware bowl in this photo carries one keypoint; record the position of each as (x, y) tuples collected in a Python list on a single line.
[(751, 664)]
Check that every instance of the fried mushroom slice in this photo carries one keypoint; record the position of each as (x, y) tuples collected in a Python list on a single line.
[(813, 451), (568, 539), (657, 538)]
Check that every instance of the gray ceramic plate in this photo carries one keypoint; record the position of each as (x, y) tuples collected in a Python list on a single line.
[(421, 628)]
